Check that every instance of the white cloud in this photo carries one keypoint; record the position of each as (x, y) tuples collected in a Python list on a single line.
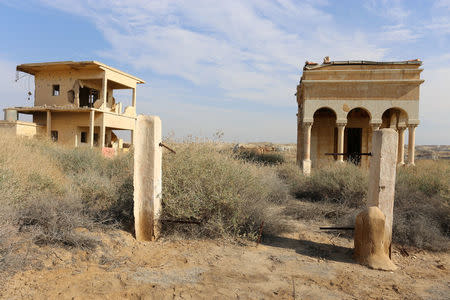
[(246, 50)]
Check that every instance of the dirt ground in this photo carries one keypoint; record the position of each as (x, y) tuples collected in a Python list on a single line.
[(306, 264)]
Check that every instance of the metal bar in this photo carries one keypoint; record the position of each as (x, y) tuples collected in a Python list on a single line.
[(181, 221), (167, 147), (368, 154), (337, 228)]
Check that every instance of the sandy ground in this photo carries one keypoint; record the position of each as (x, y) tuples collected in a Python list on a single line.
[(307, 264)]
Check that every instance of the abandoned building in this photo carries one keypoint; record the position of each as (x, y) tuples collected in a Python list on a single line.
[(340, 104), (74, 104)]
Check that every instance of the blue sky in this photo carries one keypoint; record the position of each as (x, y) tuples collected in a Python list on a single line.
[(229, 66)]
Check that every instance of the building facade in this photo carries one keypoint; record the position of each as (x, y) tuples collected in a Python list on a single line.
[(74, 104), (340, 104)]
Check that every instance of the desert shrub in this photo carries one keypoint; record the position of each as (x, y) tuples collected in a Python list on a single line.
[(228, 197), (421, 207), (339, 183), (262, 158), (54, 221)]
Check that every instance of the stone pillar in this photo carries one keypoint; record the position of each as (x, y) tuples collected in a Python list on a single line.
[(49, 124), (340, 140), (401, 146), (306, 165), (147, 177), (382, 172), (91, 128), (411, 143)]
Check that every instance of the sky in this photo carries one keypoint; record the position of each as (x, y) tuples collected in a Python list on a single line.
[(229, 66)]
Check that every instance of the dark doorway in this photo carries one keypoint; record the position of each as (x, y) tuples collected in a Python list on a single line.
[(354, 141), (88, 96)]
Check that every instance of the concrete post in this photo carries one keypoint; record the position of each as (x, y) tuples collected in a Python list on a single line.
[(147, 177), (49, 124), (133, 100), (101, 143), (382, 172), (91, 128), (401, 146), (340, 145), (104, 89), (307, 148), (411, 143)]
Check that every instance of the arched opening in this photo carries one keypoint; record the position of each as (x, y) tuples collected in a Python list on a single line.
[(394, 118), (357, 136), (323, 136)]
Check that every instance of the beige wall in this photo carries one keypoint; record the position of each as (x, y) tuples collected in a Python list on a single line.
[(44, 81)]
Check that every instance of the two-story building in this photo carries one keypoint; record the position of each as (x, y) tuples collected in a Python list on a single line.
[(74, 104)]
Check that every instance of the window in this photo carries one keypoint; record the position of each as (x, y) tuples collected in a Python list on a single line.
[(55, 90), (54, 135), (84, 137)]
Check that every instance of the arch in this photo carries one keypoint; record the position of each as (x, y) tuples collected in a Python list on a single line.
[(357, 136), (324, 109), (357, 109), (394, 117), (323, 135)]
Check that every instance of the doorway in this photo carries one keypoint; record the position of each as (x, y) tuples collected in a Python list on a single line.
[(88, 96), (354, 142)]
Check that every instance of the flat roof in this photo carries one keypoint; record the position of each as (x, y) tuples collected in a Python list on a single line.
[(312, 65), (33, 68)]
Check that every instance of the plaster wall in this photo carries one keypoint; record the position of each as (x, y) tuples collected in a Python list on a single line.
[(44, 81)]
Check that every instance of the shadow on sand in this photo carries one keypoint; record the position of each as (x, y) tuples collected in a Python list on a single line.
[(311, 249)]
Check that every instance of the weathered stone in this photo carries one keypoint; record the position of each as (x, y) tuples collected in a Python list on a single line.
[(370, 242), (382, 174), (147, 177)]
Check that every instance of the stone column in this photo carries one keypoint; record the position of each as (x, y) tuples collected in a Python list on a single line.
[(382, 172), (340, 140), (91, 128), (307, 148), (49, 124), (401, 146), (411, 143), (147, 177)]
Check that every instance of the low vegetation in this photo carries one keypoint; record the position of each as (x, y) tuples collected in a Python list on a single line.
[(49, 193), (337, 193)]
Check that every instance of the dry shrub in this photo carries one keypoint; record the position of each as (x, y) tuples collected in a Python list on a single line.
[(344, 184), (421, 207), (261, 158), (228, 197), (54, 221)]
